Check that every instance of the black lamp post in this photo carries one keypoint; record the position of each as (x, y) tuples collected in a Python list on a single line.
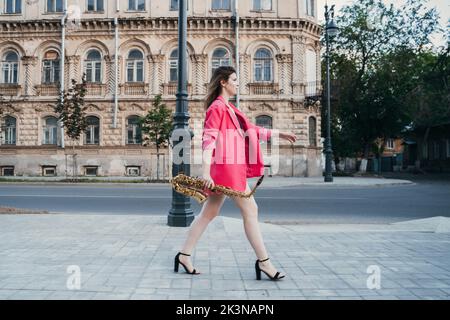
[(181, 214), (330, 30)]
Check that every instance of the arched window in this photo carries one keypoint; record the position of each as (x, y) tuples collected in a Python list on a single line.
[(9, 130), (173, 65), (312, 132), (50, 131), (135, 66), (134, 131), (265, 122), (50, 67), (263, 65), (92, 134), (221, 57), (311, 77), (10, 66), (93, 66)]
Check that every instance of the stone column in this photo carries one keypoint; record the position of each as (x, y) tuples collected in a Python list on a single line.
[(298, 65), (74, 69), (244, 73), (29, 63), (148, 75), (109, 75), (199, 69), (285, 72), (121, 75), (158, 73)]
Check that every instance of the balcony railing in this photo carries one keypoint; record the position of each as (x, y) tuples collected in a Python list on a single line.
[(170, 89), (134, 89), (313, 89), (7, 89), (264, 89), (47, 90), (95, 89)]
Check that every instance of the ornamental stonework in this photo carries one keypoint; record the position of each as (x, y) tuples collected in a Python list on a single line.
[(281, 99)]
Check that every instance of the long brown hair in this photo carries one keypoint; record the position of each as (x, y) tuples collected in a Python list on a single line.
[(214, 86)]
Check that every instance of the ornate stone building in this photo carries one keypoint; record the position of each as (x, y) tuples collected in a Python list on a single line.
[(279, 67)]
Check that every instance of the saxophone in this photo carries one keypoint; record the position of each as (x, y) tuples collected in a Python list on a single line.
[(194, 187)]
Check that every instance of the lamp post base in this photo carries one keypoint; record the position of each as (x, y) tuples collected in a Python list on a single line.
[(180, 220), (328, 160)]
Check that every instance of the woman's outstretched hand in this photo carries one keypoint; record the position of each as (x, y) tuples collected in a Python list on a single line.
[(288, 136)]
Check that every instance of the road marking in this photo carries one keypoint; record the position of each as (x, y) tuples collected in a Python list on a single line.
[(77, 196), (162, 197)]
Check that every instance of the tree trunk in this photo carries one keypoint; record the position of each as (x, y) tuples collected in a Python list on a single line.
[(74, 162), (65, 154), (363, 165), (157, 163), (425, 141)]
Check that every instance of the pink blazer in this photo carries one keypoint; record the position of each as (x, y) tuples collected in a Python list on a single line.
[(236, 152)]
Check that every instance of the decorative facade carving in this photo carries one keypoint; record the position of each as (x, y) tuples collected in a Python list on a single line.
[(74, 65), (282, 99), (284, 60), (244, 74), (200, 65), (298, 65), (158, 74), (29, 63), (264, 107)]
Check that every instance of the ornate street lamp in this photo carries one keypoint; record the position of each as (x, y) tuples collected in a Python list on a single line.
[(330, 30), (181, 214)]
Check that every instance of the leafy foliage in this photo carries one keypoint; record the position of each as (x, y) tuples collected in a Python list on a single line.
[(380, 61), (71, 109), (157, 124)]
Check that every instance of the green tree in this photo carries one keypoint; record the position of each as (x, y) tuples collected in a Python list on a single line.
[(373, 60), (71, 110), (157, 127), (430, 98)]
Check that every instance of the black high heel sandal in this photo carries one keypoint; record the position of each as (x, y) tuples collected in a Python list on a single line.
[(258, 272), (177, 262)]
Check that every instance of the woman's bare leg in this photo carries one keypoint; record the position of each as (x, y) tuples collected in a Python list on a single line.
[(210, 210), (249, 211)]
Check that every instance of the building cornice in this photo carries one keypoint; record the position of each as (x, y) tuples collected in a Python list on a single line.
[(169, 24)]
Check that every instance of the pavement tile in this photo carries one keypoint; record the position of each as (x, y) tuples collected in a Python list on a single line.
[(123, 257)]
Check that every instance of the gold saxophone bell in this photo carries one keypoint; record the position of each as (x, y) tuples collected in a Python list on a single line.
[(194, 187)]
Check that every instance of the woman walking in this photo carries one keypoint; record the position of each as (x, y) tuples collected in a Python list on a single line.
[(221, 167)]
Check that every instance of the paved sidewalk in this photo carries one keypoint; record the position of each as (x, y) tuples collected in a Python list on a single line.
[(131, 257), (269, 182), (276, 181)]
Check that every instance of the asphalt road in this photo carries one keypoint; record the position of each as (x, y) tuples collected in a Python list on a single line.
[(299, 204)]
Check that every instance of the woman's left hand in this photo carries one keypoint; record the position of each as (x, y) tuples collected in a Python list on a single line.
[(288, 136)]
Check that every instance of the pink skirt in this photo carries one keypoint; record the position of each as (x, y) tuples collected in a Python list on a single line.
[(229, 175)]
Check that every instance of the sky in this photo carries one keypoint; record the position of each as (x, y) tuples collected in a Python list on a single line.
[(442, 6)]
